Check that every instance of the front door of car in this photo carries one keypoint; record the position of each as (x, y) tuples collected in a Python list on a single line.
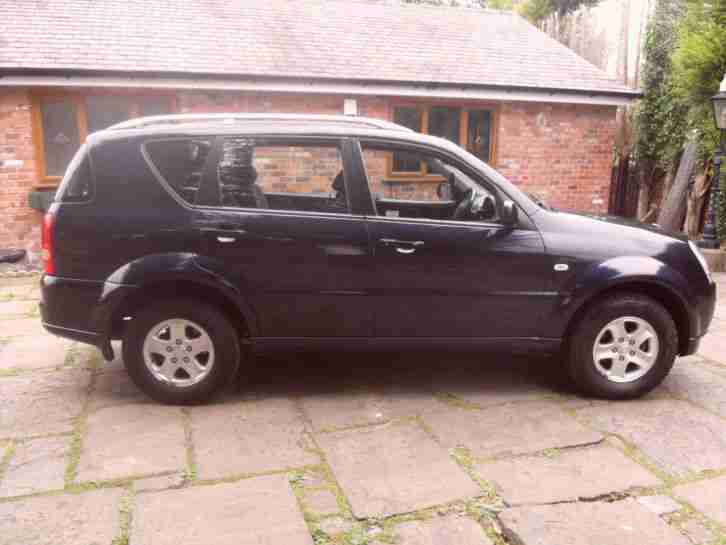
[(444, 278), (285, 236)]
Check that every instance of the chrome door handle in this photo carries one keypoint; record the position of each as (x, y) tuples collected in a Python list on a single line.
[(396, 242), (402, 250), (226, 240)]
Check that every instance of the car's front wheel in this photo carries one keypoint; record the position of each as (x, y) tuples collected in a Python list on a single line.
[(623, 347), (181, 351)]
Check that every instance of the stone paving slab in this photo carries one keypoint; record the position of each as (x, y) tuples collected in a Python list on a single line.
[(22, 353), (660, 505), (712, 346), (342, 409), (162, 482), (15, 309), (259, 511), (22, 326), (249, 437), (567, 476), (679, 438), (494, 383), (114, 387), (441, 531), (589, 523), (91, 518), (518, 428), (395, 468), (36, 466), (129, 440), (699, 385), (42, 403), (707, 496), (321, 502)]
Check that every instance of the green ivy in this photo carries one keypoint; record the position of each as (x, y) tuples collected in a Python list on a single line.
[(684, 61)]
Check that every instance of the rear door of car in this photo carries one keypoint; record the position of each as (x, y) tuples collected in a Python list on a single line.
[(300, 254)]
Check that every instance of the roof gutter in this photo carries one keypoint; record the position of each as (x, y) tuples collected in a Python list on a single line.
[(103, 79)]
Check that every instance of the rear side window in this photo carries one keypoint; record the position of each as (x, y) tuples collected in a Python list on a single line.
[(77, 184), (180, 163)]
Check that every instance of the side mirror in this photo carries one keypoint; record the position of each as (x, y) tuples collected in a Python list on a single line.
[(509, 213)]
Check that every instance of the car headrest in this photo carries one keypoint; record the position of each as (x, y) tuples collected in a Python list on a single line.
[(240, 175), (339, 183)]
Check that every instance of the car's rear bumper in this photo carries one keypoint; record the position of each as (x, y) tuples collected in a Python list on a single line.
[(81, 310)]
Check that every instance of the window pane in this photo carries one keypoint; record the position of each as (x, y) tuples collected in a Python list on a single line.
[(181, 164), (282, 177), (445, 122), (413, 119), (77, 185), (454, 196), (408, 117), (60, 134), (104, 111), (385, 188), (479, 134), (154, 105)]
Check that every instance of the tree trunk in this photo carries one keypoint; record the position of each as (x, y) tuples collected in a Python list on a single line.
[(645, 184), (673, 210), (696, 201)]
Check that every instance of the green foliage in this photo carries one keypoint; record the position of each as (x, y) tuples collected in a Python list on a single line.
[(659, 118), (685, 59), (538, 10), (699, 63)]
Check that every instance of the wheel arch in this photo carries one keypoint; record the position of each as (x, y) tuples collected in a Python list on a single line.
[(664, 295), (155, 291)]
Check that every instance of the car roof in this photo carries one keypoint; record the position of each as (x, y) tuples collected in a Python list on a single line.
[(238, 120)]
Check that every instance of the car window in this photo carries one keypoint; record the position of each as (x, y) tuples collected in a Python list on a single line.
[(281, 176), (180, 163), (77, 184), (437, 190)]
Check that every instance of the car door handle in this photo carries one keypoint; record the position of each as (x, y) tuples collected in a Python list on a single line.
[(402, 246), (403, 250), (226, 240)]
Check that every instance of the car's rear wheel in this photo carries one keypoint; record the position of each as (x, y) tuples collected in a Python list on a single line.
[(181, 351), (623, 347)]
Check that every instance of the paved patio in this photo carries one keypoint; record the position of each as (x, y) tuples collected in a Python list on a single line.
[(415, 449)]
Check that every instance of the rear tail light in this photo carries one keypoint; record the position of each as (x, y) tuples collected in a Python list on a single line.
[(47, 251)]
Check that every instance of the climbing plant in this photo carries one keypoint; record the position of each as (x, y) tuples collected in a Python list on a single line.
[(685, 59)]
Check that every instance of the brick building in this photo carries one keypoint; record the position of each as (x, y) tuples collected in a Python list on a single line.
[(487, 80)]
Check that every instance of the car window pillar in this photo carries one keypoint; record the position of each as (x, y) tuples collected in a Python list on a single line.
[(356, 181), (209, 187)]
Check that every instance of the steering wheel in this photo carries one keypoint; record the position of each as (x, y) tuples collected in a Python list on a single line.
[(463, 211)]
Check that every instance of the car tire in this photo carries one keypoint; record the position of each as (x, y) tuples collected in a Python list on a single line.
[(181, 351), (606, 357)]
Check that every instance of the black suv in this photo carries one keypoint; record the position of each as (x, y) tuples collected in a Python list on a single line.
[(197, 240)]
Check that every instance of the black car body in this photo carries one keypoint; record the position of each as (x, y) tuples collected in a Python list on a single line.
[(375, 271)]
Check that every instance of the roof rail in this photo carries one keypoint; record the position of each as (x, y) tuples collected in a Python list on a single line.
[(232, 118)]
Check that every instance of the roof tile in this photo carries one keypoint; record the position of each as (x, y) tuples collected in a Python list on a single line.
[(336, 39)]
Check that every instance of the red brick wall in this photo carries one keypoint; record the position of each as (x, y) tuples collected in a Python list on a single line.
[(19, 224), (560, 152)]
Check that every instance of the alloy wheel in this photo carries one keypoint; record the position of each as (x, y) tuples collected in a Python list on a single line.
[(625, 349), (178, 352)]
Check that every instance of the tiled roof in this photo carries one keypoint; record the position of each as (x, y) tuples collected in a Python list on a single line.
[(331, 39)]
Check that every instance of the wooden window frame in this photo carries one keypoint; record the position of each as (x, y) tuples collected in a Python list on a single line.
[(79, 100), (425, 108)]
